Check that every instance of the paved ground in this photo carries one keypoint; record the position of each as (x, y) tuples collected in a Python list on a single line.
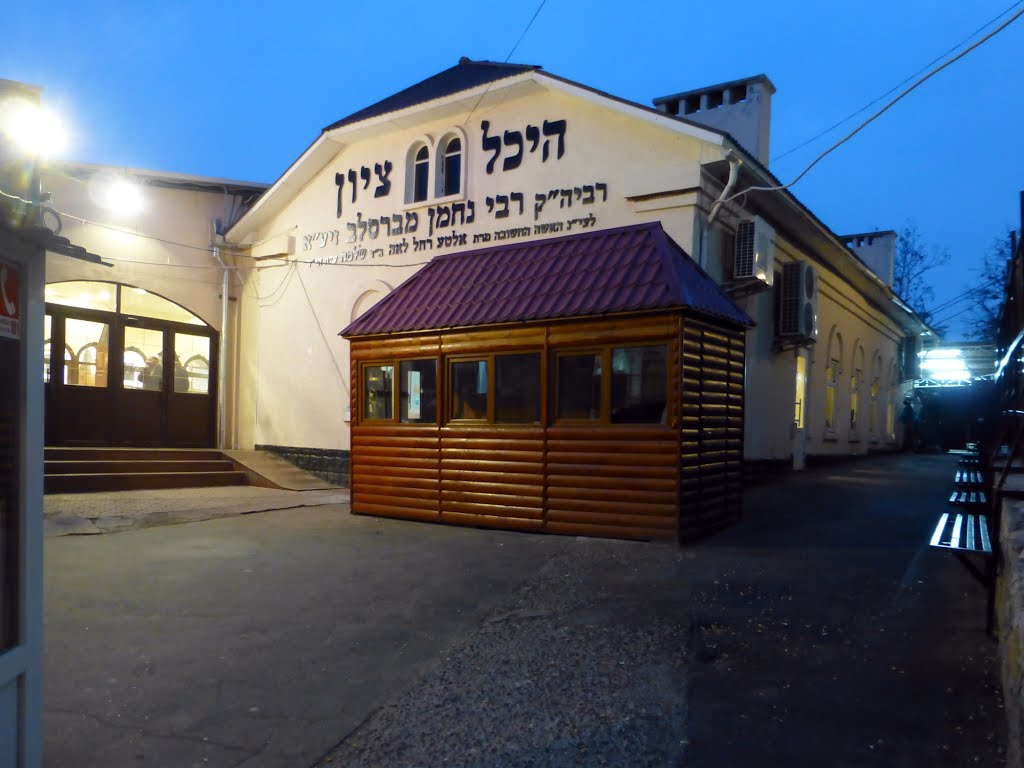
[(81, 514), (819, 631)]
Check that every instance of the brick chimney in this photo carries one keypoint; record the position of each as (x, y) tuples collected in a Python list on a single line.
[(877, 250), (742, 108)]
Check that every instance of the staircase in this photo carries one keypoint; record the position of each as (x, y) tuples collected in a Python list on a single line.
[(89, 470)]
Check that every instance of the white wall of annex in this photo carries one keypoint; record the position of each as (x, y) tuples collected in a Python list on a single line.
[(843, 314), (771, 372), (164, 248)]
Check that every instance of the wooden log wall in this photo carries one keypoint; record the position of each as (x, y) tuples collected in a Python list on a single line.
[(711, 429), (656, 481)]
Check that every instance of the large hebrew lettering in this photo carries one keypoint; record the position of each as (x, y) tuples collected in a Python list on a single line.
[(554, 128), (513, 138), (490, 144)]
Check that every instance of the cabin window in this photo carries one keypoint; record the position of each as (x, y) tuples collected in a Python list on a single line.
[(579, 386), (378, 391), (418, 392), (468, 388), (517, 388), (639, 381), (635, 393)]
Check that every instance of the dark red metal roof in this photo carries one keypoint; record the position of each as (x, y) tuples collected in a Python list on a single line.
[(602, 272)]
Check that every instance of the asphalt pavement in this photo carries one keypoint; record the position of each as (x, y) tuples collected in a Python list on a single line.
[(820, 630)]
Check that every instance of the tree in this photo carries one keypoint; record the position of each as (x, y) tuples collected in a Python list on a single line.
[(914, 260), (989, 290)]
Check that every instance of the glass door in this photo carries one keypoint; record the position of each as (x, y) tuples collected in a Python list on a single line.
[(142, 400), (191, 408), (76, 374)]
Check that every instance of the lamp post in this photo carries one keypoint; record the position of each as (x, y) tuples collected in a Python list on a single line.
[(27, 133)]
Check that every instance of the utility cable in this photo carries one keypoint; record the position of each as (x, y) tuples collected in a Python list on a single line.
[(882, 111), (230, 247), (514, 47), (895, 87)]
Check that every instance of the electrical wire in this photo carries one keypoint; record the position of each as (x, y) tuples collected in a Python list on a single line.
[(230, 248), (883, 110), (514, 47), (906, 80)]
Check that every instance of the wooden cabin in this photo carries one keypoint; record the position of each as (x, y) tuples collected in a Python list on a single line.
[(589, 384)]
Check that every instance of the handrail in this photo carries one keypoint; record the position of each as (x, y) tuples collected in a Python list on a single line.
[(1009, 353)]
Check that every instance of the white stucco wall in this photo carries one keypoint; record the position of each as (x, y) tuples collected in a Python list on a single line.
[(297, 391), (172, 257), (294, 386)]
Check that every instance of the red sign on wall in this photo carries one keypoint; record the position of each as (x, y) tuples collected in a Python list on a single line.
[(9, 298)]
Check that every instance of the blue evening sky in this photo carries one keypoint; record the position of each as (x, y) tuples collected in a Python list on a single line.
[(238, 90)]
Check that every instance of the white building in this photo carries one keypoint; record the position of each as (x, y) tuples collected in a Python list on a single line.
[(479, 154)]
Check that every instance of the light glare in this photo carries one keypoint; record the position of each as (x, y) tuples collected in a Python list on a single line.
[(119, 195), (33, 129)]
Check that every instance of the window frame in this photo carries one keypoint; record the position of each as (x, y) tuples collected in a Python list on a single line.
[(437, 167), (492, 377), (448, 392), (396, 391), (605, 351), (363, 365), (605, 404), (420, 144)]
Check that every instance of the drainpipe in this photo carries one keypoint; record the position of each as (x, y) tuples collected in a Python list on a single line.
[(222, 346)]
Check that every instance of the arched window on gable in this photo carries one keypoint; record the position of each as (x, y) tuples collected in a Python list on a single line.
[(449, 167), (417, 173), (420, 174)]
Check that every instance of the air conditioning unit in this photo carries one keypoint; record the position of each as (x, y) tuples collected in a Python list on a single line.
[(755, 251), (798, 302)]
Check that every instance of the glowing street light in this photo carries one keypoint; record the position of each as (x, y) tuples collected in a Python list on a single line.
[(117, 194), (33, 130)]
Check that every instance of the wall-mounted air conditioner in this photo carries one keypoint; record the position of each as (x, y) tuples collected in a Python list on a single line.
[(755, 251), (798, 302)]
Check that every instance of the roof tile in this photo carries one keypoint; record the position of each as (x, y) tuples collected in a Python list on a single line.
[(599, 272)]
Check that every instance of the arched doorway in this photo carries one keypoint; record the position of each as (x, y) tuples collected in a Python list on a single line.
[(137, 369)]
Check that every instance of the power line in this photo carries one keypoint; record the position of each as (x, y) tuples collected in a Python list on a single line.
[(121, 230), (880, 112), (898, 85), (514, 47)]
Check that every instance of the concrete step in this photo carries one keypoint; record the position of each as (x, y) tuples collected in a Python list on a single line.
[(109, 467), (131, 454), (139, 481)]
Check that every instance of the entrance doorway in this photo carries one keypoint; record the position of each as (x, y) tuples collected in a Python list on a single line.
[(126, 367)]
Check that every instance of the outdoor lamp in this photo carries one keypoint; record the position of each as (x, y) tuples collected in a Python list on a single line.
[(32, 129), (117, 194)]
